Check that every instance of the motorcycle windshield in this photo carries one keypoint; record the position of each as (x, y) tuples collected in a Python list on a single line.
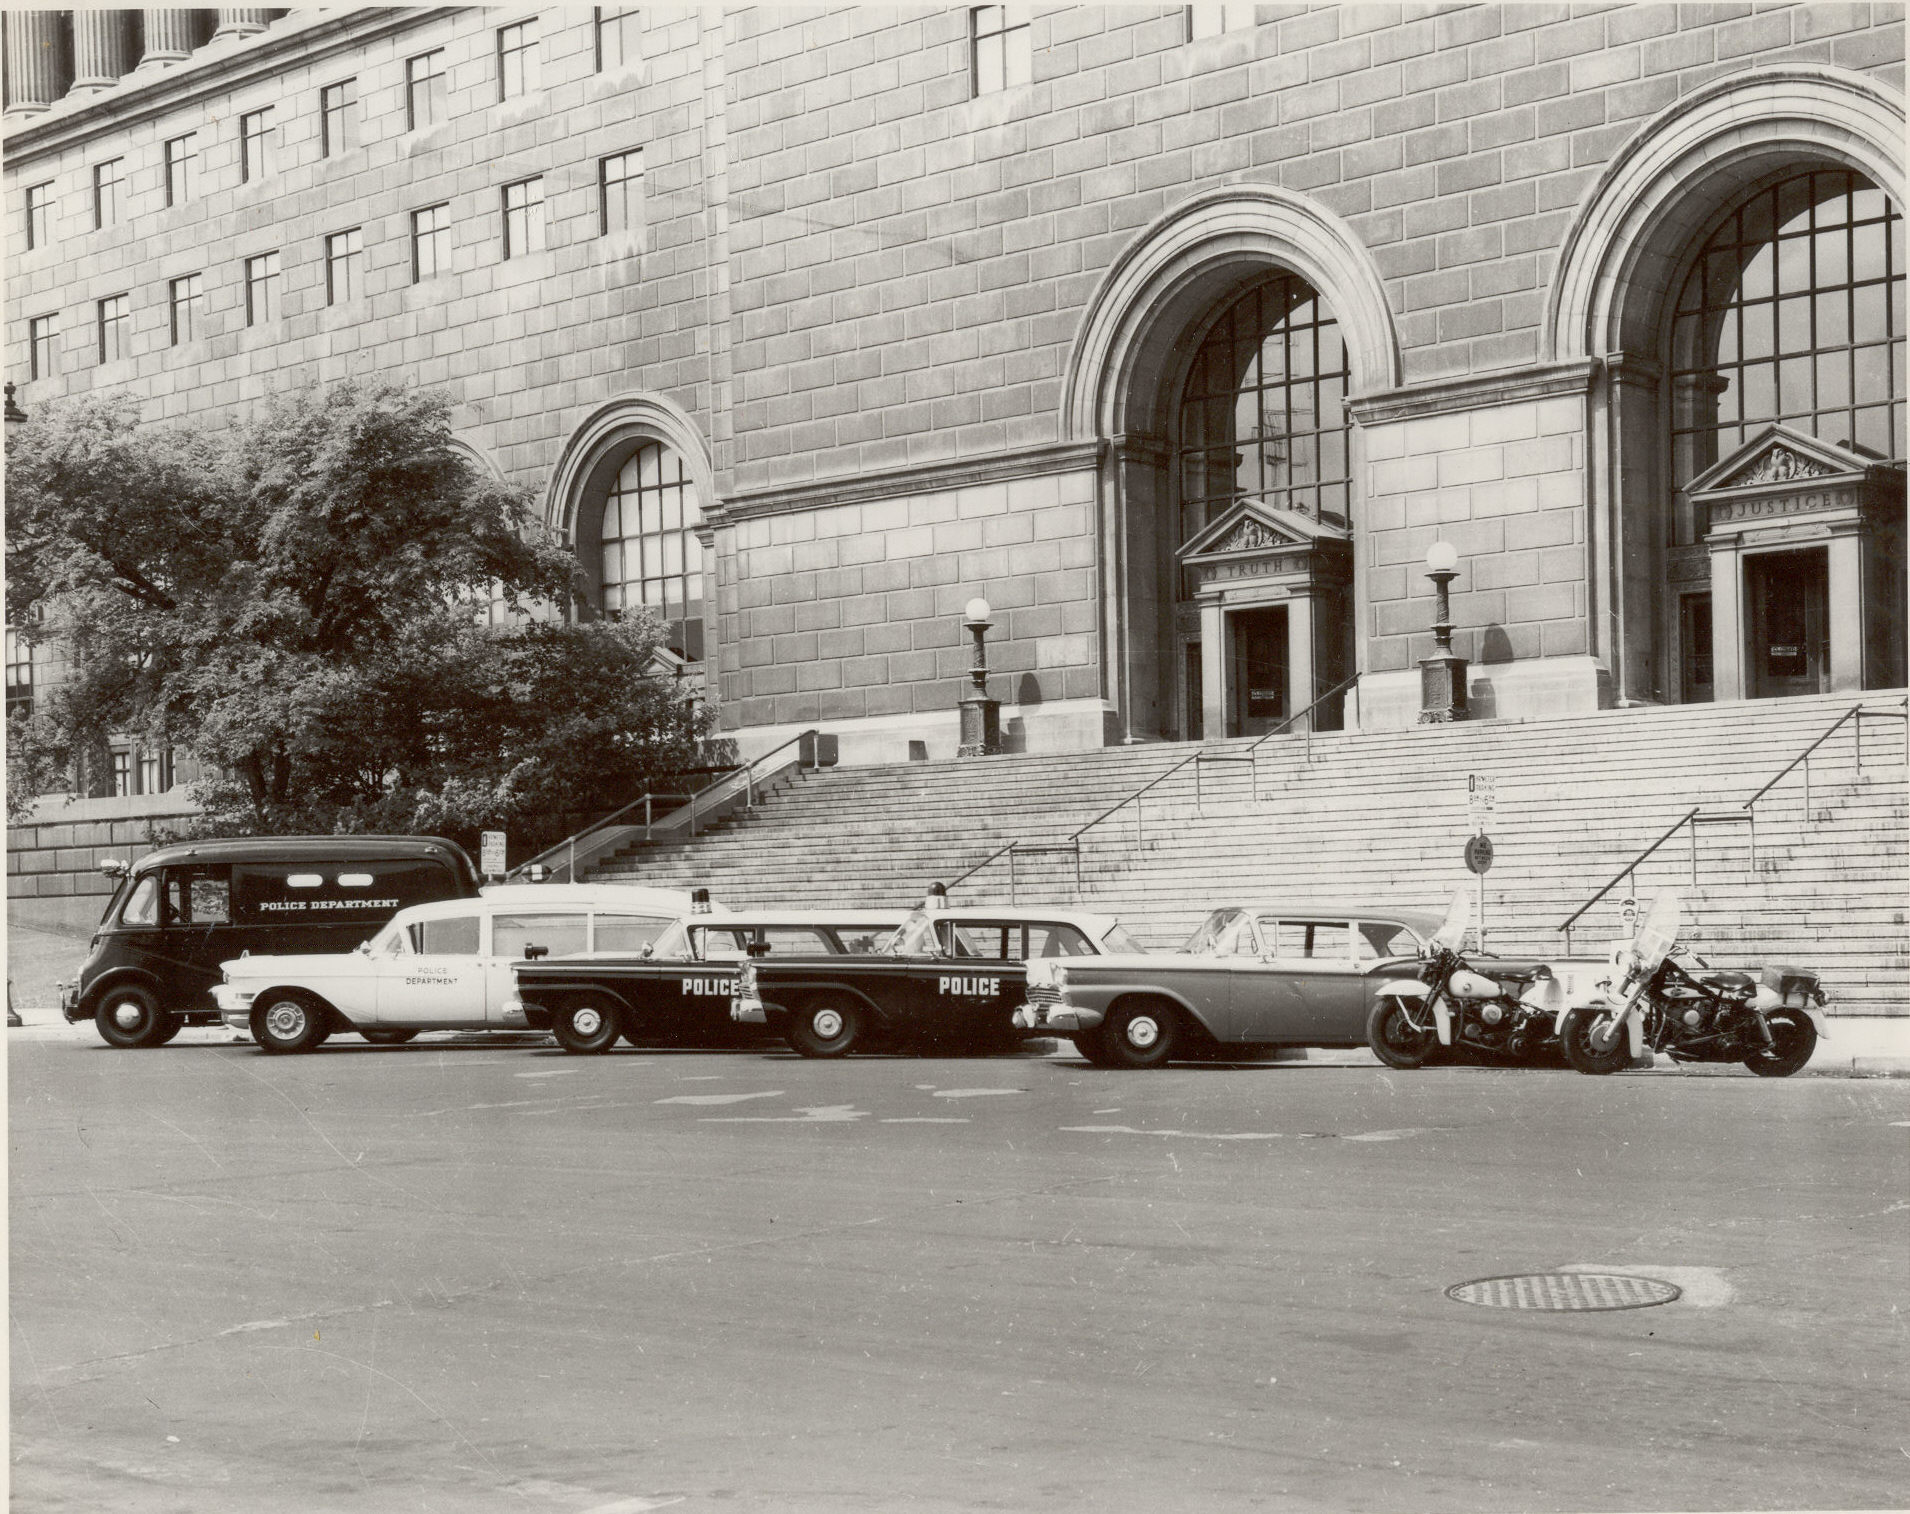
[(1657, 932), (1452, 930)]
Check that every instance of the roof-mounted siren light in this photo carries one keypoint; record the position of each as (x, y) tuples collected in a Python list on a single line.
[(699, 901), (937, 898)]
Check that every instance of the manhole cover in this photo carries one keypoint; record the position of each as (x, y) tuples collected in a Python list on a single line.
[(1565, 1290)]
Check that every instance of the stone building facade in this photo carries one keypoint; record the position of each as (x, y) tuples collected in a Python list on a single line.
[(1177, 334)]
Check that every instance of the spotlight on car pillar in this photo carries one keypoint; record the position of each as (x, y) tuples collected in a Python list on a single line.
[(937, 898), (113, 867)]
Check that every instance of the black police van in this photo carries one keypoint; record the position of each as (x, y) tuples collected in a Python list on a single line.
[(182, 910)]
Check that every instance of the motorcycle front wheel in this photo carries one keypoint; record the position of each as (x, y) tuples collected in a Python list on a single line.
[(1395, 1039), (1793, 1039), (1581, 1035)]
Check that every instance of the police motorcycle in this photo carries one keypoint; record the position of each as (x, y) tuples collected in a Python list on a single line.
[(1505, 1012), (1656, 1002)]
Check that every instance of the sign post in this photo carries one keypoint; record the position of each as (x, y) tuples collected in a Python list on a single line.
[(1479, 807), (491, 850)]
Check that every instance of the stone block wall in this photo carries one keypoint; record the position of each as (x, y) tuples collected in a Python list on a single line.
[(53, 877)]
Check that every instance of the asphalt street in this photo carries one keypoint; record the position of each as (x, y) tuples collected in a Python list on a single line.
[(493, 1277)]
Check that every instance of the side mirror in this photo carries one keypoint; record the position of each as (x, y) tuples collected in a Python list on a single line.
[(363, 948), (533, 953), (649, 948)]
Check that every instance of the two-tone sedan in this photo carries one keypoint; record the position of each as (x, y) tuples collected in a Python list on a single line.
[(1250, 978), (951, 977), (679, 989)]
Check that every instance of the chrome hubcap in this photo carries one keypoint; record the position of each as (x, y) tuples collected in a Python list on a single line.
[(1604, 1035), (827, 1024), (587, 1022), (127, 1014), (1143, 1031), (285, 1020)]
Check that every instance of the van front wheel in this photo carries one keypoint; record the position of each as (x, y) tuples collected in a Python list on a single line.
[(131, 1016), (284, 1023)]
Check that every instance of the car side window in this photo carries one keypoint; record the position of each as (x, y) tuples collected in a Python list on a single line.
[(995, 940), (720, 945), (455, 937), (1056, 940), (143, 907), (198, 896), (627, 933), (1331, 941), (860, 940), (1284, 938), (1381, 938), (786, 940), (563, 934)]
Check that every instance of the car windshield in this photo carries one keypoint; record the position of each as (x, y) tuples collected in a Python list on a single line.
[(1116, 939), (391, 941), (1209, 932), (914, 937)]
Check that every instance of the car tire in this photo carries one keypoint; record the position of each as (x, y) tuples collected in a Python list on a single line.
[(587, 1025), (285, 1023), (130, 1016), (174, 1024), (1139, 1034), (823, 1028), (1092, 1048), (1575, 1036), (388, 1037), (1393, 1037), (1794, 1038)]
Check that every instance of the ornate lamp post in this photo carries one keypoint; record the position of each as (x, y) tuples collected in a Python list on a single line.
[(1442, 676), (14, 414), (981, 716)]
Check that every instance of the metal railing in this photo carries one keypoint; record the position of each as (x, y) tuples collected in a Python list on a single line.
[(1746, 813), (1072, 843), (649, 801)]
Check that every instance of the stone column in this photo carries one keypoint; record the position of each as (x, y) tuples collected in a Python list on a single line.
[(170, 38), (1300, 634), (1847, 613), (241, 23), (1727, 622), (37, 65), (1215, 668), (102, 49)]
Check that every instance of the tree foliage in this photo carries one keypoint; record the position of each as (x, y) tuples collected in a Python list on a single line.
[(299, 600)]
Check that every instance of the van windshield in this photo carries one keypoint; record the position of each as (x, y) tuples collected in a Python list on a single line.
[(143, 907)]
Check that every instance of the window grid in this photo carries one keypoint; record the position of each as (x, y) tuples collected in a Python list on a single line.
[(19, 673), (115, 328), (261, 288), (617, 37), (620, 186), (43, 335), (1793, 313), (1001, 47), (108, 186), (430, 242), (344, 254), (516, 59), (338, 117), (523, 217), (182, 161), (123, 777), (425, 90), (651, 554), (1263, 414), (255, 145), (155, 771), (185, 298), (39, 214)]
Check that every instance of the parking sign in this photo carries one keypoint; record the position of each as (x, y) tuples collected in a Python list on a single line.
[(491, 860)]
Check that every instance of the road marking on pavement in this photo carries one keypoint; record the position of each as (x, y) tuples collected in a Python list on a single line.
[(720, 1098), (549, 1072), (1383, 1135), (823, 1114), (1186, 1135), (973, 1093), (926, 1120), (1704, 1287)]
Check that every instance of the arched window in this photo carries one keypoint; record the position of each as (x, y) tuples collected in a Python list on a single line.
[(1263, 414), (650, 551), (1792, 312)]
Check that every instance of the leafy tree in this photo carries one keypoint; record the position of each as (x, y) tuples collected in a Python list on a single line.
[(299, 601)]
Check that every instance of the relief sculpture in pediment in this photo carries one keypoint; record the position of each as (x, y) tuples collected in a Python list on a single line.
[(1777, 466)]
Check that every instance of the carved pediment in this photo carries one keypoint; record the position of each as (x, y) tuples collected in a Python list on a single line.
[(1250, 526), (1777, 456)]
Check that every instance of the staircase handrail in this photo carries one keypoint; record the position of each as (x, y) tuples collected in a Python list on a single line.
[(1281, 729), (1855, 712), (995, 855), (1626, 871), (568, 845)]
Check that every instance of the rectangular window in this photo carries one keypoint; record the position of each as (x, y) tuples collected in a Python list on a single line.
[(19, 674), (122, 772), (155, 771), (344, 255), (620, 192), (255, 145), (115, 328), (616, 37), (39, 214), (424, 90), (186, 301), (108, 185), (43, 337), (261, 288), (182, 164), (1210, 19), (338, 117), (1002, 50), (516, 59), (523, 217), (430, 242)]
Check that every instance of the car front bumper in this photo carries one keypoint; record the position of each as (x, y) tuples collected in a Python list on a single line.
[(235, 1005), (1042, 1015)]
